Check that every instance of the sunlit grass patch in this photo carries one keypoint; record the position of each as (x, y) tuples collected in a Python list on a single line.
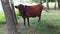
[(2, 17)]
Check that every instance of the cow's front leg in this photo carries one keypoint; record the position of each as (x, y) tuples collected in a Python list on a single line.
[(28, 21), (39, 18), (24, 21)]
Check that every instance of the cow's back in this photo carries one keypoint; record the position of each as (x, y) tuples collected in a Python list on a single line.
[(34, 10)]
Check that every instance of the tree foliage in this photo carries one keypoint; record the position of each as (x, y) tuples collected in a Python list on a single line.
[(49, 0), (58, 0), (36, 1), (43, 0)]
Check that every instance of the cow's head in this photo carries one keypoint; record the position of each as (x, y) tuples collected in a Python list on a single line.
[(21, 9)]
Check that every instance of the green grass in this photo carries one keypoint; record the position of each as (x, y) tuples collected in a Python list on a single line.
[(3, 29), (51, 18), (2, 17), (47, 18), (17, 14)]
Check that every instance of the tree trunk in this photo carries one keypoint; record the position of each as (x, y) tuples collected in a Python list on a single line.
[(40, 1), (55, 4), (10, 17), (47, 4), (59, 4), (13, 11)]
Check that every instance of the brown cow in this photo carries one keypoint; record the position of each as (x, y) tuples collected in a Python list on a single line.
[(30, 11)]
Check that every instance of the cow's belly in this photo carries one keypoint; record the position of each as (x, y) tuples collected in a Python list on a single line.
[(32, 14)]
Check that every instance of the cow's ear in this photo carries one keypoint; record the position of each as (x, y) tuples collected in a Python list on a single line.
[(16, 6)]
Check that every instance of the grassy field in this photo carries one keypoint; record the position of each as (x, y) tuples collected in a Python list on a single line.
[(49, 23), (43, 27)]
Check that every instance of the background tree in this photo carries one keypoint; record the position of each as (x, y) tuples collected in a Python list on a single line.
[(59, 4), (47, 2), (55, 4), (37, 1)]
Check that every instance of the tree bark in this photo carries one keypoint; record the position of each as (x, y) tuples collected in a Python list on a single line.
[(47, 4), (10, 17), (40, 1), (13, 11), (59, 4), (55, 4)]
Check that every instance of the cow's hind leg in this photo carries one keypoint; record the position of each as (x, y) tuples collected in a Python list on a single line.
[(39, 18), (28, 21)]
